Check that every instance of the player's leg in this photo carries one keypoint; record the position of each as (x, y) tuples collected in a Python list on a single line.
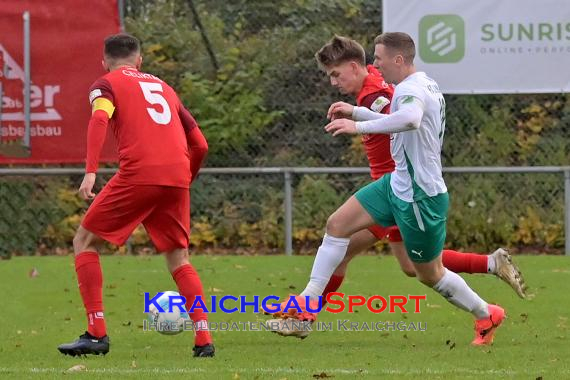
[(449, 284), (498, 263), (359, 242), (397, 247), (190, 286), (95, 341), (465, 262), (363, 240), (169, 228), (86, 246), (406, 265), (99, 224), (367, 207), (454, 288), (399, 251), (423, 227), (348, 219)]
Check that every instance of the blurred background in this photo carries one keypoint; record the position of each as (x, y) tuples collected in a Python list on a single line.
[(246, 70)]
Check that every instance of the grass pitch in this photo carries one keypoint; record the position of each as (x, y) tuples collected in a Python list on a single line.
[(40, 312)]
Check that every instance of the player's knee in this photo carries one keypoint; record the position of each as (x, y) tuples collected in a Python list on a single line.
[(79, 241), (86, 241), (336, 227), (176, 258)]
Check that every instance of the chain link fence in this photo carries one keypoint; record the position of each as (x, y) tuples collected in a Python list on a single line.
[(273, 210), (246, 71)]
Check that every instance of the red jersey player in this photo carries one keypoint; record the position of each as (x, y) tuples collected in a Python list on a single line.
[(343, 60), (161, 149)]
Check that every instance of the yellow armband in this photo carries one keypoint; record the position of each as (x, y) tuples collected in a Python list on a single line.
[(104, 105)]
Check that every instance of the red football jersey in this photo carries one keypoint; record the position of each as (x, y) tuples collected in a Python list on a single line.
[(146, 123), (376, 94)]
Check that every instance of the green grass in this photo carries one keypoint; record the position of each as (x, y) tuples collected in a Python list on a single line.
[(40, 313)]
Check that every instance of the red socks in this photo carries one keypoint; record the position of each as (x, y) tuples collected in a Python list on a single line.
[(90, 280), (333, 285), (463, 262), (190, 286)]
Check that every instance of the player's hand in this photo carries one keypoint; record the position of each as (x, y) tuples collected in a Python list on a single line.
[(340, 126), (339, 110), (86, 188)]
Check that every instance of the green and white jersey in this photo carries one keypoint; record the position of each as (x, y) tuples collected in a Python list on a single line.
[(417, 153)]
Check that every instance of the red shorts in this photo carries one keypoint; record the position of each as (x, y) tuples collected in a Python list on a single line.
[(120, 207), (392, 233)]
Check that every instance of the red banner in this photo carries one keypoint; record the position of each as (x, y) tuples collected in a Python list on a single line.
[(66, 52)]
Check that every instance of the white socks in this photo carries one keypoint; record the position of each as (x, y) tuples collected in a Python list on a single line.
[(455, 290), (329, 256), (491, 264)]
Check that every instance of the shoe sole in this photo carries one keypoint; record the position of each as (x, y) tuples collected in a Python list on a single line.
[(205, 356), (74, 353)]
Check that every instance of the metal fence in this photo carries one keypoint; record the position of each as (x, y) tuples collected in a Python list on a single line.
[(247, 72), (284, 209)]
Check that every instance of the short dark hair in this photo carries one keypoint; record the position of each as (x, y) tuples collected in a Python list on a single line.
[(340, 50), (399, 42), (121, 45)]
